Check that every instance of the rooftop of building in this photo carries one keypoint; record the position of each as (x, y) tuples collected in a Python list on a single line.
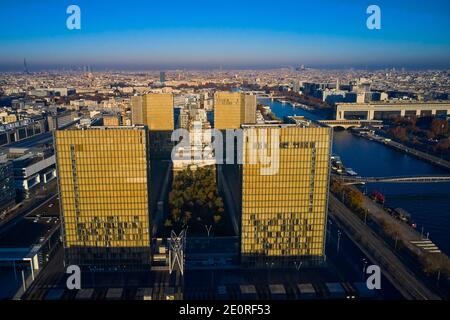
[(29, 157), (99, 127)]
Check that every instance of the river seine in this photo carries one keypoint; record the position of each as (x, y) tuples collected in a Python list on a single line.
[(428, 204)]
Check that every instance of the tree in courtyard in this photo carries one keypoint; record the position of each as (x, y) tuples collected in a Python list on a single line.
[(194, 200)]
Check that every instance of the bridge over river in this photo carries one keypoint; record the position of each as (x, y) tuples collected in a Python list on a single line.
[(347, 124), (400, 179)]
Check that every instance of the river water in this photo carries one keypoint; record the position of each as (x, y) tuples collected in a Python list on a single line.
[(428, 204)]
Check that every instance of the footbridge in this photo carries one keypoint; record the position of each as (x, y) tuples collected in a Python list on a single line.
[(346, 124)]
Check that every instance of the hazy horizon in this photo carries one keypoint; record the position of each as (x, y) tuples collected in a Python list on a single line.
[(202, 68), (140, 34)]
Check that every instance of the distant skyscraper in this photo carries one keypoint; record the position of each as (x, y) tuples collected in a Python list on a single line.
[(232, 109), (103, 179), (154, 110), (25, 66), (162, 77), (284, 214)]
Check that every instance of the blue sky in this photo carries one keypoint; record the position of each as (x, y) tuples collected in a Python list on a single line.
[(155, 33)]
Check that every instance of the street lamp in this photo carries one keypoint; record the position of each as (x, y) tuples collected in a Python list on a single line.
[(298, 265), (24, 285), (438, 277), (364, 266), (208, 229), (269, 268), (329, 228), (338, 239)]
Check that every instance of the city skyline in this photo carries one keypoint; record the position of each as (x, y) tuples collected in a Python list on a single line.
[(243, 152), (141, 35), (264, 223)]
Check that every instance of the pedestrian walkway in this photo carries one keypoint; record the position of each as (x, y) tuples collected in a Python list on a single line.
[(426, 245)]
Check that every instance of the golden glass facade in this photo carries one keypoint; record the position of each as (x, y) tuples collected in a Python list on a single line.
[(250, 109), (154, 110), (158, 111), (111, 121), (284, 214), (232, 109), (137, 116), (103, 178)]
